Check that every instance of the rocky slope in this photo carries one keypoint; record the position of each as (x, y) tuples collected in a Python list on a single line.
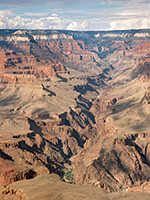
[(75, 100), (49, 187)]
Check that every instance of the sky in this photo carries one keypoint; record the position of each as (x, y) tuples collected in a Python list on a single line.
[(79, 15)]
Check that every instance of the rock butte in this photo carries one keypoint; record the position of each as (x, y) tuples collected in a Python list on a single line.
[(74, 100)]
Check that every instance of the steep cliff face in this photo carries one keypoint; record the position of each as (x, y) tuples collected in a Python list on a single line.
[(143, 70), (16, 68), (74, 51), (75, 100), (54, 46)]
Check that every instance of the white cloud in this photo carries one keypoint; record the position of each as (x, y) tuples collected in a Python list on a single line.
[(115, 14), (146, 23), (77, 25), (134, 14), (135, 23), (54, 21), (10, 21), (38, 14)]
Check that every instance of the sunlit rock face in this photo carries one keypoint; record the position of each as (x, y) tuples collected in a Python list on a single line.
[(75, 100)]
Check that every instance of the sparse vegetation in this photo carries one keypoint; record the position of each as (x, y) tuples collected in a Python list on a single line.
[(69, 176)]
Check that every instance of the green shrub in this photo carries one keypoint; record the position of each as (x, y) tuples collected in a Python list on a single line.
[(69, 176)]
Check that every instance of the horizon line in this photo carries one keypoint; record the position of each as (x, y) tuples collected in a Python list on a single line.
[(119, 30)]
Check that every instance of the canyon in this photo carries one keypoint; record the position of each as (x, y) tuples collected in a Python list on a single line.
[(75, 100)]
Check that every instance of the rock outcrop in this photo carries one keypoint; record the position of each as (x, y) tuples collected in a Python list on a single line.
[(49, 187)]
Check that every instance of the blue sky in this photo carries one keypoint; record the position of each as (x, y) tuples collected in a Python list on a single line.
[(75, 15)]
